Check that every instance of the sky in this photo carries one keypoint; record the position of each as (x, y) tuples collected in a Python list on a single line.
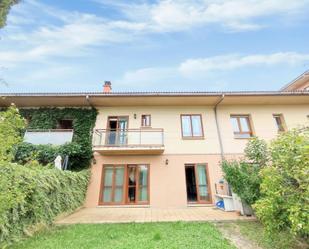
[(163, 45)]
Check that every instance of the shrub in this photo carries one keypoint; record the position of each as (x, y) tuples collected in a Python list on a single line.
[(285, 184), (243, 175), (46, 154), (34, 194), (11, 125), (244, 179)]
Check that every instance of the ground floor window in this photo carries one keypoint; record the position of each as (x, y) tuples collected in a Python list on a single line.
[(197, 183), (125, 184)]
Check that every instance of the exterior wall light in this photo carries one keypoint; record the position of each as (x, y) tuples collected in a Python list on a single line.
[(134, 115), (166, 161)]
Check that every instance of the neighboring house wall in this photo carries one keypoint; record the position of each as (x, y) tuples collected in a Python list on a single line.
[(263, 123), (167, 182)]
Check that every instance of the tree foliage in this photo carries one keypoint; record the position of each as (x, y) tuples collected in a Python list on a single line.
[(285, 184), (5, 6), (243, 175), (11, 125)]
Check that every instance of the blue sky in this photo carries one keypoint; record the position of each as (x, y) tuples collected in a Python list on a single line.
[(171, 45)]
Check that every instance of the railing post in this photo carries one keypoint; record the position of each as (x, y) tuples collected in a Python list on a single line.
[(140, 136), (162, 135)]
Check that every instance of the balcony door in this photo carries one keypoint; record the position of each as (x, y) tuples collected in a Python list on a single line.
[(125, 184), (117, 131), (197, 183)]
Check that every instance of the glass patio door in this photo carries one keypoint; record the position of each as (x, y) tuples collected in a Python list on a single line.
[(117, 128), (137, 188), (197, 182), (125, 184)]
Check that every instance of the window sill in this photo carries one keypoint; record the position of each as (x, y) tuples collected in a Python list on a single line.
[(247, 138), (193, 138)]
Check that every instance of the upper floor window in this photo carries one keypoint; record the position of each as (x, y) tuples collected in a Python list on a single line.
[(241, 126), (280, 122), (146, 120), (65, 124), (191, 125)]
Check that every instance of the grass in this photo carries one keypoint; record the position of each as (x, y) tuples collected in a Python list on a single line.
[(175, 235), (254, 232)]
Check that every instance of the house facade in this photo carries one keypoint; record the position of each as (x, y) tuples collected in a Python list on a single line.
[(163, 149)]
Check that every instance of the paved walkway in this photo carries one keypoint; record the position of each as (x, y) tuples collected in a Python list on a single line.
[(138, 214)]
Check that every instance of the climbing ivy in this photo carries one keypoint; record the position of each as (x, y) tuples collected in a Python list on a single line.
[(79, 151)]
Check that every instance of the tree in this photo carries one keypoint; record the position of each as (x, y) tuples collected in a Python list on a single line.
[(5, 6), (244, 175), (284, 202), (11, 126)]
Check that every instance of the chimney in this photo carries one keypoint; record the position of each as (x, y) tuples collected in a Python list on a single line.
[(107, 87)]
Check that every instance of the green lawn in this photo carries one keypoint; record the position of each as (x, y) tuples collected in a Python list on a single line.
[(132, 236)]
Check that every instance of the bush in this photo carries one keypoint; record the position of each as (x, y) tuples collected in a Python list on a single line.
[(244, 179), (11, 125), (46, 154), (34, 194), (285, 185), (243, 175)]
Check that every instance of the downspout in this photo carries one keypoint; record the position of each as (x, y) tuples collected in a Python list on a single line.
[(218, 126)]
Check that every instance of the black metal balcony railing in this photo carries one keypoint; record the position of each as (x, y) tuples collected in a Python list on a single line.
[(128, 138)]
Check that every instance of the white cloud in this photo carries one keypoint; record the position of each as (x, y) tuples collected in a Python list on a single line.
[(192, 67), (76, 32), (206, 68), (235, 15)]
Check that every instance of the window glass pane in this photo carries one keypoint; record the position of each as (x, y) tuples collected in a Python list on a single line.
[(108, 176), (201, 174), (279, 122), (244, 124), (107, 194), (118, 194), (145, 120), (132, 183), (235, 124), (143, 175), (119, 176), (203, 190), (186, 126), (143, 183), (197, 125), (202, 182), (143, 194)]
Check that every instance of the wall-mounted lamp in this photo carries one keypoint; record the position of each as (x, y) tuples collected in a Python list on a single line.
[(134, 115), (166, 161), (94, 161)]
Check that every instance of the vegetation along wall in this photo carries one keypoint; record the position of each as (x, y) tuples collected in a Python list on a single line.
[(79, 150)]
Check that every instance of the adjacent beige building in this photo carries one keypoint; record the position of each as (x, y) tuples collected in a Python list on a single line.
[(163, 149)]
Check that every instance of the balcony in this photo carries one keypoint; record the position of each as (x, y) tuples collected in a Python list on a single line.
[(52, 136), (129, 141)]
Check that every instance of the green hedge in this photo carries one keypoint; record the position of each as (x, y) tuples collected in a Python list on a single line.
[(46, 154), (80, 152), (36, 195)]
